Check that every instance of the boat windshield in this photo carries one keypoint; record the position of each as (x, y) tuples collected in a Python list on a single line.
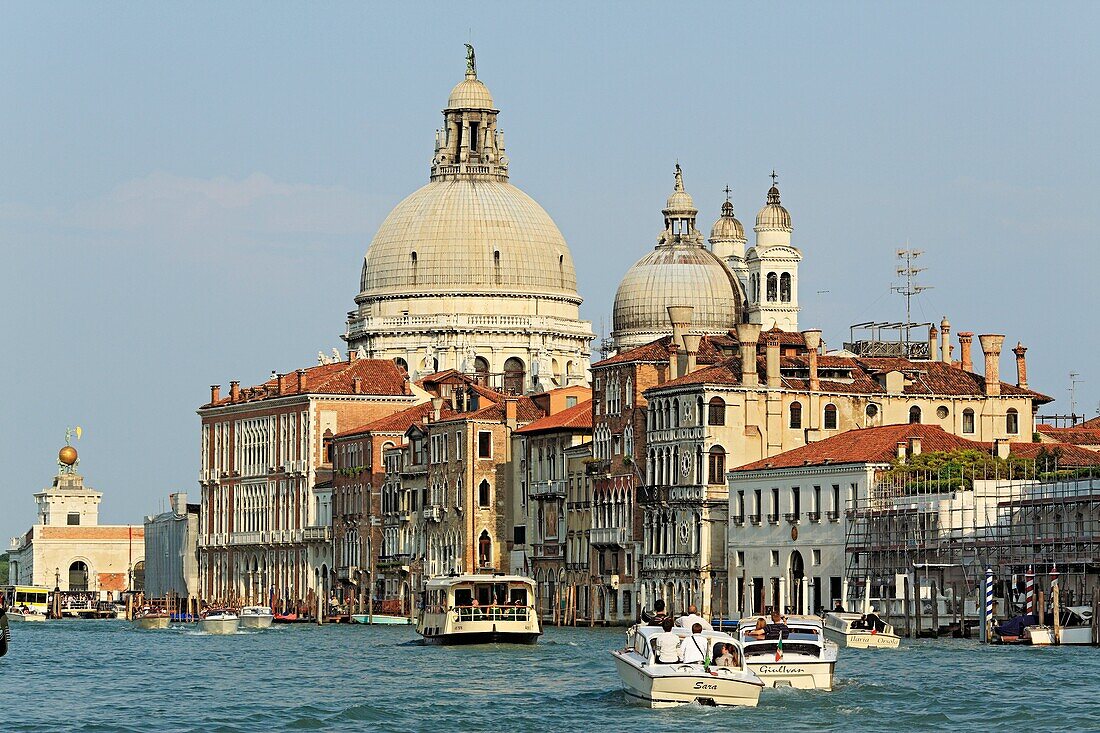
[(491, 602)]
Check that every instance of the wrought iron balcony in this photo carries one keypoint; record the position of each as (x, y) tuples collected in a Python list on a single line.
[(554, 489), (607, 536)]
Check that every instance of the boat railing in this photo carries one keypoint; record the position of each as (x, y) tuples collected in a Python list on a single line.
[(491, 613)]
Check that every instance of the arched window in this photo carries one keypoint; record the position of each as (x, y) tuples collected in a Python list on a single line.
[(481, 370), (716, 412), (484, 549), (968, 420), (78, 576), (716, 465), (514, 376), (139, 576), (796, 415), (773, 287), (413, 268), (484, 495), (402, 364), (914, 415), (785, 287), (830, 417), (1012, 421)]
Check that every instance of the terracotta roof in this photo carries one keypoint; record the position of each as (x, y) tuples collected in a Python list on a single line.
[(1093, 424), (1071, 436), (657, 351), (869, 445), (526, 411), (399, 422), (453, 376), (1071, 456), (577, 417), (377, 377)]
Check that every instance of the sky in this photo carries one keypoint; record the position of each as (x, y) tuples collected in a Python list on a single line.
[(187, 190)]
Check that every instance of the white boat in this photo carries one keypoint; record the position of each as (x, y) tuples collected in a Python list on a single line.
[(656, 684), (1076, 629), (25, 615), (479, 609), (148, 618), (256, 617), (220, 622), (857, 631), (803, 659)]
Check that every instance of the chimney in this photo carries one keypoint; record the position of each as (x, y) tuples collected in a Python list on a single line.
[(1001, 448), (300, 380), (901, 450), (511, 411), (234, 391), (945, 340), (691, 344), (281, 382), (991, 345), (215, 392), (933, 343), (813, 343), (353, 354), (965, 339), (357, 385), (1021, 365), (914, 446), (178, 502), (771, 339), (680, 316), (673, 359), (437, 408), (747, 335)]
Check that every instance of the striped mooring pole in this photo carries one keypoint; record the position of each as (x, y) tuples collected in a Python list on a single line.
[(987, 626), (1029, 589)]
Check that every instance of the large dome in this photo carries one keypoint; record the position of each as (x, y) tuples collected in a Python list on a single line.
[(468, 234)]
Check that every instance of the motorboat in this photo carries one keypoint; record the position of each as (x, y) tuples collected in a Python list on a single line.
[(860, 631), (382, 619), (799, 657), (25, 614), (479, 609), (256, 617), (151, 618), (647, 681), (1075, 629), (220, 621)]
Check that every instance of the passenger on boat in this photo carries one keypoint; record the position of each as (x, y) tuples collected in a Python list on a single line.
[(692, 617), (692, 648), (725, 655), (657, 618), (759, 631), (776, 629), (667, 645), (838, 607)]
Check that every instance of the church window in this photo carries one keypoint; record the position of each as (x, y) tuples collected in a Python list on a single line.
[(514, 376), (716, 412), (830, 417), (773, 287), (1012, 422), (914, 415), (785, 287), (796, 415), (716, 465), (968, 421)]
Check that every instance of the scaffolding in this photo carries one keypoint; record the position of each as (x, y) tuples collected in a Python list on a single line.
[(930, 535)]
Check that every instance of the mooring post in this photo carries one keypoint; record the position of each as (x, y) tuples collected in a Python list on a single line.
[(916, 607), (905, 609), (935, 611), (1096, 616), (1042, 608)]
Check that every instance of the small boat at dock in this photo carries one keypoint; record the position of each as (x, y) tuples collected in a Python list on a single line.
[(860, 631), (220, 621), (150, 618), (479, 609), (25, 614), (256, 617), (656, 684), (800, 657)]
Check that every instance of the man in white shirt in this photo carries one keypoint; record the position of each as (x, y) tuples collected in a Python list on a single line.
[(692, 617), (667, 644), (693, 649)]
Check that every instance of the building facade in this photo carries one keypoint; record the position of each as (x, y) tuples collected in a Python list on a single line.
[(172, 551)]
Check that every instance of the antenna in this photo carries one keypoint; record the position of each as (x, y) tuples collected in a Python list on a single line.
[(907, 258), (1073, 382)]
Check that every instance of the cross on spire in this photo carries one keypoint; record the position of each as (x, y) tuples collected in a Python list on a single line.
[(774, 177), (727, 190)]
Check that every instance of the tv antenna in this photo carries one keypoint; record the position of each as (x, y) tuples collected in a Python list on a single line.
[(1073, 382), (907, 267)]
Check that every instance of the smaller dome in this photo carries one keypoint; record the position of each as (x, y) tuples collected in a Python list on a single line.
[(773, 215), (727, 226), (470, 93)]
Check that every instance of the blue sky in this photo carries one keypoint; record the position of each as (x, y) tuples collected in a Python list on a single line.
[(187, 190)]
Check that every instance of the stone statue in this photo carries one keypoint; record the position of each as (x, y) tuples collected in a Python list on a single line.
[(471, 63), (335, 355)]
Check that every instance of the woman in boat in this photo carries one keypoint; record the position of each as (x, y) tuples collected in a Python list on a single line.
[(758, 632), (725, 655)]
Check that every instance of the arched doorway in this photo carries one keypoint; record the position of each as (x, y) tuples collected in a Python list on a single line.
[(139, 576), (78, 576), (514, 376), (481, 370), (484, 549), (797, 573)]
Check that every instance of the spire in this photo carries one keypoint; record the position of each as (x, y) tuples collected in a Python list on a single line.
[(727, 206), (773, 192)]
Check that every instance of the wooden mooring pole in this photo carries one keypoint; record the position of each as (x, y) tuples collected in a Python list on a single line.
[(1096, 616), (935, 611), (905, 609)]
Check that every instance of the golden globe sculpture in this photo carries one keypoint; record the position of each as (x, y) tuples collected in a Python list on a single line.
[(67, 455)]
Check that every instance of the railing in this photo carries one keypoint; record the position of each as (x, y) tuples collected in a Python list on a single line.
[(814, 516), (548, 550), (791, 517), (670, 435), (246, 538), (490, 613), (690, 492), (671, 562), (754, 519), (832, 516), (317, 534), (615, 536), (739, 520), (539, 323), (433, 513), (395, 560), (553, 489), (773, 519), (595, 468)]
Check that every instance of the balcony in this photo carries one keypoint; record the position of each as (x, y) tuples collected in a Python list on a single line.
[(347, 573), (657, 563), (773, 519), (394, 561), (317, 534), (832, 516), (548, 551), (792, 517), (607, 536), (597, 468), (246, 538), (433, 513), (814, 517), (754, 519), (675, 435), (555, 489), (690, 493), (739, 520)]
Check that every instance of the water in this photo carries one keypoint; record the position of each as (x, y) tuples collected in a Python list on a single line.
[(104, 676)]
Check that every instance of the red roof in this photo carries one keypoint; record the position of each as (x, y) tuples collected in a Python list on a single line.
[(1071, 456), (376, 377), (1093, 424), (657, 351), (399, 422), (526, 411), (577, 417), (1072, 436)]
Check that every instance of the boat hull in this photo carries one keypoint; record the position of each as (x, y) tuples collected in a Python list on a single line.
[(1068, 636), (220, 625), (152, 622), (484, 637), (862, 639), (801, 675), (256, 622), (696, 686), (17, 616), (379, 619)]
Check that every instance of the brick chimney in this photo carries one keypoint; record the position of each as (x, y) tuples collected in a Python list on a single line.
[(813, 343), (1021, 365), (991, 345), (965, 340), (215, 392), (280, 381), (680, 317), (945, 340), (353, 354), (933, 343), (300, 380), (902, 445), (914, 446), (1001, 448), (357, 385), (747, 335), (673, 360), (771, 341), (691, 345), (511, 411), (234, 391), (437, 408)]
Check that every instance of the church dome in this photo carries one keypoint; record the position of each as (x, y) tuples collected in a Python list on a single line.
[(463, 234), (773, 215), (727, 226), (470, 93)]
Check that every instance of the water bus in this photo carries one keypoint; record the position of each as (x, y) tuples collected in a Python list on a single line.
[(803, 658), (479, 609), (656, 684), (26, 602)]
